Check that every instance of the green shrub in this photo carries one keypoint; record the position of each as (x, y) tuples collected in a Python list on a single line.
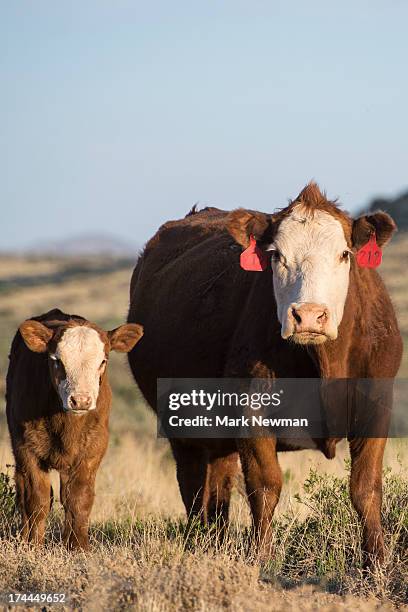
[(325, 546)]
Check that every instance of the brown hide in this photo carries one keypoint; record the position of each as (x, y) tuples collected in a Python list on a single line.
[(45, 437), (205, 317)]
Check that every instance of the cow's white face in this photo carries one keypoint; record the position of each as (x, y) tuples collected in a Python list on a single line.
[(311, 265), (78, 363), (311, 258)]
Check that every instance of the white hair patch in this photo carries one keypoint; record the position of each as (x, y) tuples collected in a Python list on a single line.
[(81, 351)]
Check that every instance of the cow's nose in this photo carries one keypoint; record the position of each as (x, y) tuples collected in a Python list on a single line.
[(80, 401), (309, 317)]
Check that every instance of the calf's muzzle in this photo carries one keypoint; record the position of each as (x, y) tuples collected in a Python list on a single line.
[(80, 401)]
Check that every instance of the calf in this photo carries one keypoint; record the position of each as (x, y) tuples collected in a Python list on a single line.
[(58, 404)]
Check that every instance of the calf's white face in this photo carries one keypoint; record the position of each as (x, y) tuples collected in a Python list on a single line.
[(78, 357), (311, 265), (81, 354)]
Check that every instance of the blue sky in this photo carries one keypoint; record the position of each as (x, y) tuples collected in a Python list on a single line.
[(116, 116)]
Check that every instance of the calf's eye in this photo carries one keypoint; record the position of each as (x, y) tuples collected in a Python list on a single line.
[(103, 363), (345, 255)]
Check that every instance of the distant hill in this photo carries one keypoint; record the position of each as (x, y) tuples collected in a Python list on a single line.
[(396, 207), (84, 245)]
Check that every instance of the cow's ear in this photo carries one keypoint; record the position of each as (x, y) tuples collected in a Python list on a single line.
[(379, 223), (242, 224), (124, 338), (36, 335)]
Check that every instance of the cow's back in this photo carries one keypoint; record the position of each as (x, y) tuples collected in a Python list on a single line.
[(188, 292)]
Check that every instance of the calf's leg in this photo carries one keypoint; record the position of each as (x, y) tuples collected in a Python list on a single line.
[(366, 493), (33, 498), (263, 479), (77, 496)]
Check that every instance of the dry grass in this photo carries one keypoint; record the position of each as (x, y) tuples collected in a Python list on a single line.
[(165, 578), (140, 558)]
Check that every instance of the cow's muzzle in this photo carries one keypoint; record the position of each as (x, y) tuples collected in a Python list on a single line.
[(309, 323)]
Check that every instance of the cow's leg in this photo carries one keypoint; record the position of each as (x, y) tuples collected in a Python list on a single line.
[(222, 473), (33, 497), (77, 496), (366, 493), (263, 480), (192, 476)]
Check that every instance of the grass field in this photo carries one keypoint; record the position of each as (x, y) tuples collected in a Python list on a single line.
[(140, 558)]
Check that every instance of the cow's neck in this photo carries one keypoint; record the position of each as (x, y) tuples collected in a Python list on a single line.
[(332, 357), (331, 361)]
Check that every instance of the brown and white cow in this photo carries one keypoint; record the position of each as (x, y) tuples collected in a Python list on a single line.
[(58, 404), (313, 313)]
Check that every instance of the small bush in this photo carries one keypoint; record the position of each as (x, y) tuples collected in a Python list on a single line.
[(325, 547), (7, 504)]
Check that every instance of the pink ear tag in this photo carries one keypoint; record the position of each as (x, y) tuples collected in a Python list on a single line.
[(253, 259), (370, 255)]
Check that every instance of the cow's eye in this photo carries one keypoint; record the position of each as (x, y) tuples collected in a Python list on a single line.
[(345, 255), (103, 362), (276, 255)]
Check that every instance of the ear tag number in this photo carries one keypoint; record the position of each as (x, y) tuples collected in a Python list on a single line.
[(370, 255), (253, 259)]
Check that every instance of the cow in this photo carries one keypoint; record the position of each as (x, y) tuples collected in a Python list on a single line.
[(58, 403), (313, 313)]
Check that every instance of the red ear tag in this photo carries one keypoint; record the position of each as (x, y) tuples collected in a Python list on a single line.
[(370, 255), (253, 259)]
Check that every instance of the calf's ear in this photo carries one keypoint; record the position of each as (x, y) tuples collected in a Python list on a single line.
[(35, 335), (242, 224), (379, 223), (124, 338)]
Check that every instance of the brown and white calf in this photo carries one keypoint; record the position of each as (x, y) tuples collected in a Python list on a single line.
[(58, 404)]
